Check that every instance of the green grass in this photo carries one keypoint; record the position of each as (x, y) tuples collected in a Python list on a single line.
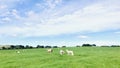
[(85, 57)]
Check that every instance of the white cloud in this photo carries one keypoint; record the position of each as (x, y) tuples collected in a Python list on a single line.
[(15, 14), (6, 19), (92, 18), (3, 7), (52, 3), (83, 36)]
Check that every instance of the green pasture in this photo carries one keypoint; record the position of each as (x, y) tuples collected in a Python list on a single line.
[(84, 57)]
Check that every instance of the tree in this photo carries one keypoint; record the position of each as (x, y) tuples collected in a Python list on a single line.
[(19, 47), (93, 44), (3, 48), (27, 46), (115, 46), (48, 47), (84, 45), (90, 45), (40, 46), (55, 46), (78, 46), (30, 47), (12, 47), (63, 46)]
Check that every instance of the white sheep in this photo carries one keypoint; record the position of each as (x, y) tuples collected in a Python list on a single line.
[(18, 52), (62, 52), (49, 50), (69, 52)]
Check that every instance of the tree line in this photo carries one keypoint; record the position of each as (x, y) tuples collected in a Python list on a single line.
[(25, 47), (47, 46)]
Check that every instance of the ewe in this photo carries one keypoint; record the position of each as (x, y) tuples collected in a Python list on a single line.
[(61, 52), (18, 52), (49, 50), (70, 52)]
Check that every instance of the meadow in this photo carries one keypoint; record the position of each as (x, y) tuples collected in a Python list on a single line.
[(85, 57)]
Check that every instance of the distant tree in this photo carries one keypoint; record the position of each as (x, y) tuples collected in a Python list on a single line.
[(78, 46), (88, 45), (27, 46), (19, 47), (93, 44), (84, 45), (63, 46), (12, 47), (40, 46), (115, 46), (48, 47), (30, 47), (105, 46), (55, 46), (3, 48)]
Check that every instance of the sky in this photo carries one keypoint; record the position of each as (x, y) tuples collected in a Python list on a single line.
[(60, 22)]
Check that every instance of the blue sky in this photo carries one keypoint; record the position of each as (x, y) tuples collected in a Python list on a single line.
[(60, 22)]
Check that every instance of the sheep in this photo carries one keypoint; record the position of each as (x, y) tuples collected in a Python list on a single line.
[(69, 52), (49, 50), (61, 52), (18, 52)]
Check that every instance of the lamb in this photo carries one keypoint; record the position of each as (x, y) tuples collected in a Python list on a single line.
[(69, 52), (61, 52), (49, 50), (18, 52)]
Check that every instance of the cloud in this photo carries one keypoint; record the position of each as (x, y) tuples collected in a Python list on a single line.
[(6, 19), (91, 18), (3, 7), (7, 10), (15, 14), (83, 36), (52, 3), (86, 20)]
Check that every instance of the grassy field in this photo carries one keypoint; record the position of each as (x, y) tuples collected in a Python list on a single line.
[(85, 57)]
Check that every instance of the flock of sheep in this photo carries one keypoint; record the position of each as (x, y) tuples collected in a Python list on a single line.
[(69, 52), (61, 52)]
